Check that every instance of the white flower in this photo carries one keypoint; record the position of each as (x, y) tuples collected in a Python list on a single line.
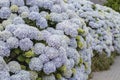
[(14, 66)]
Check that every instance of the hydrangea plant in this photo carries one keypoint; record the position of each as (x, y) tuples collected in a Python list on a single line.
[(54, 39)]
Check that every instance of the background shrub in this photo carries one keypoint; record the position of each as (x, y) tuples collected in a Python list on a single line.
[(102, 62), (114, 4)]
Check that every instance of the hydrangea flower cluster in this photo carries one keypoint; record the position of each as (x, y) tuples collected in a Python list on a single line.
[(54, 39)]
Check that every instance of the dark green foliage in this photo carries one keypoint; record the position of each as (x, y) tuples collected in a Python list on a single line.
[(101, 62), (90, 76), (114, 4), (30, 22), (22, 57), (94, 7)]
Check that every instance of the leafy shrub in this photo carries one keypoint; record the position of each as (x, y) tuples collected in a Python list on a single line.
[(54, 39), (101, 62), (114, 4)]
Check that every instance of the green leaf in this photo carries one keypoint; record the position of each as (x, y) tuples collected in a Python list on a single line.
[(80, 45), (27, 61), (23, 67), (17, 51), (33, 75), (81, 31), (39, 79), (86, 65), (21, 58), (58, 76), (65, 1), (29, 54), (73, 70), (63, 68), (48, 17), (78, 38), (81, 60), (93, 6)]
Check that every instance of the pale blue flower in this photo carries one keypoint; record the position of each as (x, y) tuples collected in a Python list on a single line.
[(25, 44), (3, 65), (34, 33), (21, 33), (73, 43), (39, 48), (73, 53), (4, 3), (72, 63), (48, 4), (12, 16), (18, 20), (56, 17), (63, 78), (4, 35), (55, 41), (62, 54), (34, 9), (24, 14), (71, 6), (22, 75), (36, 64), (6, 22), (77, 21), (67, 73), (13, 42), (50, 77), (49, 67), (34, 16), (39, 3), (25, 31), (58, 62), (23, 9), (4, 51), (14, 66), (17, 2), (64, 16), (56, 9), (68, 28), (44, 14), (51, 52), (44, 58), (4, 75), (45, 34), (30, 2), (41, 23), (5, 12), (55, 32), (94, 25)]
